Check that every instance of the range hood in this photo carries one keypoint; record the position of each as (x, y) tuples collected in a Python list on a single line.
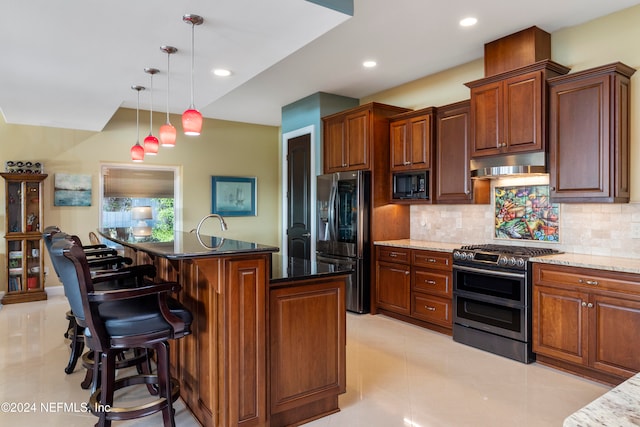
[(521, 164)]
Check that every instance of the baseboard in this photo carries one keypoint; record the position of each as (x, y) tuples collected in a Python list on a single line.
[(54, 291)]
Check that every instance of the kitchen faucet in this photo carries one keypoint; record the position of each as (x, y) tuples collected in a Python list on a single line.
[(223, 225)]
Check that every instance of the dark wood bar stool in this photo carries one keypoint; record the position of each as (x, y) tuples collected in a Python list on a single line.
[(142, 317)]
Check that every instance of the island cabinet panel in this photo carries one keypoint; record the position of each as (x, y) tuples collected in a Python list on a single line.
[(222, 365), (586, 321), (308, 349)]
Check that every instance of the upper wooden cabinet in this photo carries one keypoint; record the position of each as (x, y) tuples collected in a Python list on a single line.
[(453, 183), (351, 136), (508, 110), (412, 136), (589, 135)]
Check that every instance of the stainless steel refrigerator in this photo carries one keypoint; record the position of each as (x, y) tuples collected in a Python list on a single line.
[(343, 231)]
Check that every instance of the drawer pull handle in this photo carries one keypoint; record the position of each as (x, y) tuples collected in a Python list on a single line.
[(430, 282), (393, 254), (588, 282), (431, 260), (430, 308)]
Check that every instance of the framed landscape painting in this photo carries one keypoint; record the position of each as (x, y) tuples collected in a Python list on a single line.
[(233, 196), (72, 190)]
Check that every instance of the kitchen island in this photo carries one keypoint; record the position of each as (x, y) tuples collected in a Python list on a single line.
[(264, 351)]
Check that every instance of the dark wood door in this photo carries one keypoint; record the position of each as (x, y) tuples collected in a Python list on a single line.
[(522, 112), (334, 142), (614, 334), (579, 137), (398, 135), (299, 197), (486, 119), (453, 183), (357, 141), (560, 324), (393, 283)]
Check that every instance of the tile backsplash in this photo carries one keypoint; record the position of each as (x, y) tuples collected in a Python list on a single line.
[(586, 228)]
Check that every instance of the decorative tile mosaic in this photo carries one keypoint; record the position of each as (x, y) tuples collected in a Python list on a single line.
[(525, 213)]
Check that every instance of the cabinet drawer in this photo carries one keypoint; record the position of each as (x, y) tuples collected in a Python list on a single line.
[(431, 259), (393, 254), (431, 309), (432, 282), (585, 278)]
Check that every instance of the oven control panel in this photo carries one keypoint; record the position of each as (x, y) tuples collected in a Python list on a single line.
[(471, 257)]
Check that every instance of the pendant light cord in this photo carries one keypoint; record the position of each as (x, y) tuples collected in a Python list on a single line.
[(192, 60), (168, 73), (151, 107), (138, 118)]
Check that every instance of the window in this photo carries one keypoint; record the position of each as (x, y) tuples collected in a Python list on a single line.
[(140, 200)]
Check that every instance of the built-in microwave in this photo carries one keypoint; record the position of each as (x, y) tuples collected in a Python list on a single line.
[(411, 185)]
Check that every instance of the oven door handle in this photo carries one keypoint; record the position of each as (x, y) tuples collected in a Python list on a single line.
[(488, 272)]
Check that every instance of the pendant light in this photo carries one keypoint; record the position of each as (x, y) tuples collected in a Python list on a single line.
[(167, 131), (137, 151), (191, 118), (151, 142)]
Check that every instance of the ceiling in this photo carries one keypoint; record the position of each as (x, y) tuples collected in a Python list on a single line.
[(71, 63)]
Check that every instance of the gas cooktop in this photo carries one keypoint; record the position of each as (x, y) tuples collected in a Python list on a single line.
[(508, 256)]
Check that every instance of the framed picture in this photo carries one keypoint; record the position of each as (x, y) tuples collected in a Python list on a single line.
[(72, 190), (233, 196)]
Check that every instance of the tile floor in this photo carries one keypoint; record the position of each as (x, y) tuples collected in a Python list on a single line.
[(397, 375)]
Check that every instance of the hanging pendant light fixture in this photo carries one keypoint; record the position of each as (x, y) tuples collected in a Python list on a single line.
[(137, 151), (167, 131), (191, 118), (151, 143)]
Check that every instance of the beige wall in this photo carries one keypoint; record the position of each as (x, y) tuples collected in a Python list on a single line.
[(602, 229), (224, 148)]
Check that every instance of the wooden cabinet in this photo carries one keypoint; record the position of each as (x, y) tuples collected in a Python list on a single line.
[(24, 246), (586, 321), (415, 285), (453, 182), (589, 135), (412, 136), (393, 279), (308, 349), (508, 110), (352, 137)]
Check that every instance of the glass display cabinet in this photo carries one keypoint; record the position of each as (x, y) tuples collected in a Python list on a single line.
[(23, 238)]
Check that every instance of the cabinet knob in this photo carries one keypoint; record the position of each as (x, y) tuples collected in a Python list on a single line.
[(590, 305), (584, 304), (552, 188), (406, 273)]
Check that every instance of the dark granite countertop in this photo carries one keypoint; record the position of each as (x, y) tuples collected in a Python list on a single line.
[(288, 269), (185, 245)]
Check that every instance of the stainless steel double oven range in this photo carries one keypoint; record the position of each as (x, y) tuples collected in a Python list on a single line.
[(492, 298)]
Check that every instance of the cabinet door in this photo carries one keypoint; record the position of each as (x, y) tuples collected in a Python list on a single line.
[(393, 284), (522, 113), (614, 326), (453, 183), (486, 119), (357, 140), (334, 141), (420, 141), (560, 324), (399, 133), (578, 139)]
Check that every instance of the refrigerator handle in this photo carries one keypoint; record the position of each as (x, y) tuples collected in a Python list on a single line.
[(332, 211)]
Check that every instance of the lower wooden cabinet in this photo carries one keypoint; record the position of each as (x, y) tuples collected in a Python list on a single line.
[(587, 321), (308, 349), (415, 286)]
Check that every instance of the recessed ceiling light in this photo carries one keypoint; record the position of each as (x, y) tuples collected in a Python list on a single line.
[(221, 72), (468, 22), (369, 64)]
